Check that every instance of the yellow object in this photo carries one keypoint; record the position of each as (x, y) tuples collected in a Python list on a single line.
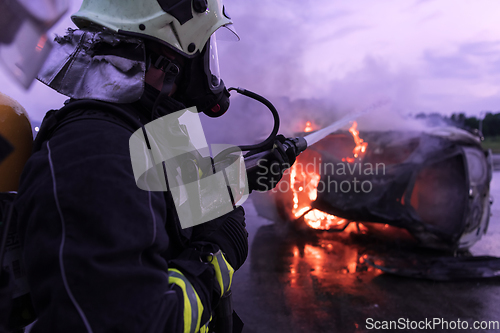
[(193, 309), (223, 272), (15, 127)]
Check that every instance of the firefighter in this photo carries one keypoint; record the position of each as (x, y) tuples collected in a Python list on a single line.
[(101, 254)]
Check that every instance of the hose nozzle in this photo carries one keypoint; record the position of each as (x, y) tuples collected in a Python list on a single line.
[(298, 144)]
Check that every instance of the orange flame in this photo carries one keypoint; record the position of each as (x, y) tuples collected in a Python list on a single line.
[(305, 191), (304, 184), (361, 146), (317, 219), (308, 127)]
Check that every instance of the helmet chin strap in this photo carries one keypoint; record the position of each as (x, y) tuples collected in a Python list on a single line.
[(171, 71)]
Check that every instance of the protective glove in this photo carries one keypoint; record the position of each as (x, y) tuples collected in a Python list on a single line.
[(201, 276), (194, 291), (228, 233), (218, 275), (192, 305), (264, 170), (226, 241), (223, 273)]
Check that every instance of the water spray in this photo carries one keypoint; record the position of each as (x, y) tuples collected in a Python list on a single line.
[(322, 133), (298, 144), (257, 151)]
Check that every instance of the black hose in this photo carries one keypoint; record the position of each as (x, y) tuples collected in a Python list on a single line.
[(268, 142), (270, 139)]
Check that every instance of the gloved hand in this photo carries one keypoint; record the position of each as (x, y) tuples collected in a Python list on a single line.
[(193, 309), (201, 276), (228, 233), (223, 273), (225, 239), (264, 170), (220, 281)]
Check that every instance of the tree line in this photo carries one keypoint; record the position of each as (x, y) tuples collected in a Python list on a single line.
[(489, 125)]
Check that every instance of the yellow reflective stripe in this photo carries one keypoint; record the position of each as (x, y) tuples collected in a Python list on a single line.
[(224, 273), (218, 275), (188, 320), (193, 308), (204, 328)]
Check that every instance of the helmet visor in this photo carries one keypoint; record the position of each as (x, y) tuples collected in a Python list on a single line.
[(213, 63), (228, 33)]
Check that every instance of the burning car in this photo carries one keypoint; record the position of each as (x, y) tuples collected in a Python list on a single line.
[(433, 183)]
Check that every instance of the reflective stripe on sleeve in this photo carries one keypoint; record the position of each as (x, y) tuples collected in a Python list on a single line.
[(224, 273), (193, 308)]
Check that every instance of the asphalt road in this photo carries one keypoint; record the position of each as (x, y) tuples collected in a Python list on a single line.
[(295, 281), (298, 281)]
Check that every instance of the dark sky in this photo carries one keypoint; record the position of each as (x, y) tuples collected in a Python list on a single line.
[(425, 56)]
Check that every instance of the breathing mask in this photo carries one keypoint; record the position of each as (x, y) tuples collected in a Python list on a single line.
[(201, 85)]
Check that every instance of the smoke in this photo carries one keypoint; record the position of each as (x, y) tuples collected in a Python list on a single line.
[(376, 81), (273, 59), (248, 121)]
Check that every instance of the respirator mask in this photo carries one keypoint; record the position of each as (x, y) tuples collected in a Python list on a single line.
[(200, 84)]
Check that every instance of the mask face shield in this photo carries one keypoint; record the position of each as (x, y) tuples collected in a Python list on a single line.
[(227, 33), (213, 63), (24, 44), (201, 85)]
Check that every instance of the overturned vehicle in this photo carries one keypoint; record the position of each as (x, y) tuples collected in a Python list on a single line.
[(433, 183)]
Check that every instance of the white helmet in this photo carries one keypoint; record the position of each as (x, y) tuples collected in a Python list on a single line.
[(184, 25)]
